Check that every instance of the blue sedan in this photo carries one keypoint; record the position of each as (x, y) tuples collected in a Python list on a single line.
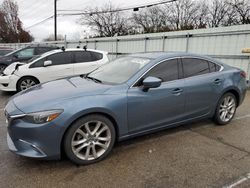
[(137, 94)]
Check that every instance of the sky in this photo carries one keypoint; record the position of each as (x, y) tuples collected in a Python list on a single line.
[(33, 11)]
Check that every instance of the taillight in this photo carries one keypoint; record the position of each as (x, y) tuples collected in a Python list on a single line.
[(243, 74)]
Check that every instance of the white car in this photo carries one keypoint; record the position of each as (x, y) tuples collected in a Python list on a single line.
[(52, 65)]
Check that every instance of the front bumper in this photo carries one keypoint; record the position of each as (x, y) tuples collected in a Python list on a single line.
[(34, 141), (8, 82), (23, 148)]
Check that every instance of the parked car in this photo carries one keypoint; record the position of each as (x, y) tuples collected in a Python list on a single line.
[(51, 66), (23, 55), (84, 116), (5, 50)]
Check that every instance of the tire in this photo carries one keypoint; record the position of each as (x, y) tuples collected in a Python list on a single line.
[(2, 68), (26, 82), (80, 144), (225, 109)]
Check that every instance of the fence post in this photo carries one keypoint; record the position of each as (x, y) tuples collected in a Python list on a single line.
[(163, 43), (116, 47), (187, 42), (95, 45), (145, 44), (65, 41), (248, 69)]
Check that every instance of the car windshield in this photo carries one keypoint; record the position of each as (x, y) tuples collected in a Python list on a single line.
[(11, 53), (119, 70)]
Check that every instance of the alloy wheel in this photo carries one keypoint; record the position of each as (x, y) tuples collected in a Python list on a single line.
[(91, 140), (227, 108), (27, 83)]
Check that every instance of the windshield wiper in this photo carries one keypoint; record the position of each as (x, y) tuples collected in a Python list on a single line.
[(92, 78)]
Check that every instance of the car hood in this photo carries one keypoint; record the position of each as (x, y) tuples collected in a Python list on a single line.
[(11, 68), (47, 95)]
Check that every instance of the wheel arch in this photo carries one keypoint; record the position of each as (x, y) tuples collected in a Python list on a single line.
[(105, 114), (235, 92), (27, 76)]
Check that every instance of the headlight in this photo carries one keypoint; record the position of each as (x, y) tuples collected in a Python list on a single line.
[(42, 117)]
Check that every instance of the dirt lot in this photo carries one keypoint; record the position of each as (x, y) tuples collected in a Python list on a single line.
[(196, 155)]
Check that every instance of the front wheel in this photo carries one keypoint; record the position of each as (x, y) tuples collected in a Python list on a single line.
[(89, 139), (226, 109), (26, 82)]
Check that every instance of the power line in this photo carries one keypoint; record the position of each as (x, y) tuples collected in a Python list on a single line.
[(135, 8), (40, 22)]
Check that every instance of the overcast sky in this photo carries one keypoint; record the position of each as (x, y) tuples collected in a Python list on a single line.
[(33, 11)]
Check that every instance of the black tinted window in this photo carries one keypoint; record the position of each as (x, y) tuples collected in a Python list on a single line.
[(96, 56), (213, 67), (166, 71), (39, 63), (83, 56), (60, 58), (42, 50), (194, 67)]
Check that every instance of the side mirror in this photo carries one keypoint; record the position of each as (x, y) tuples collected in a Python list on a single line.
[(47, 63), (151, 82)]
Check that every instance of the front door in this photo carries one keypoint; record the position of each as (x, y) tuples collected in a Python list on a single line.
[(157, 107)]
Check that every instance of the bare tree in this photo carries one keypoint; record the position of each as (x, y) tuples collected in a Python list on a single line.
[(183, 14), (106, 21), (11, 26), (217, 12), (152, 20), (202, 17), (242, 8)]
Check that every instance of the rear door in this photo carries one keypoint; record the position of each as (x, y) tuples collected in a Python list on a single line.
[(84, 62), (61, 67), (201, 81)]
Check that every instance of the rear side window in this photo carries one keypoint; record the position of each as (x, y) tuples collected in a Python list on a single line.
[(213, 67), (60, 58), (96, 56), (194, 67), (83, 56), (166, 71)]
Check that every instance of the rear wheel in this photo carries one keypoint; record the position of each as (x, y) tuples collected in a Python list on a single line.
[(89, 140), (26, 82), (2, 68), (226, 109)]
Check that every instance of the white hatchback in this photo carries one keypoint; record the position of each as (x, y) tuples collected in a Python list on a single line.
[(52, 65)]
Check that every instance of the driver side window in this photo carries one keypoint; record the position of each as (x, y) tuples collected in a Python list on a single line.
[(166, 71)]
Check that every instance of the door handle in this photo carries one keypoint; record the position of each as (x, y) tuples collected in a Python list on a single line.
[(217, 81), (177, 91)]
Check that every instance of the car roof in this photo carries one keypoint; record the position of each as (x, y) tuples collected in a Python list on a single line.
[(167, 55), (71, 50)]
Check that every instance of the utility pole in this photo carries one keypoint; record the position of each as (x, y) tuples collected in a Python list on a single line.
[(55, 17)]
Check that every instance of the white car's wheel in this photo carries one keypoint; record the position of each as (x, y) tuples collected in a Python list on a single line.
[(26, 82)]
